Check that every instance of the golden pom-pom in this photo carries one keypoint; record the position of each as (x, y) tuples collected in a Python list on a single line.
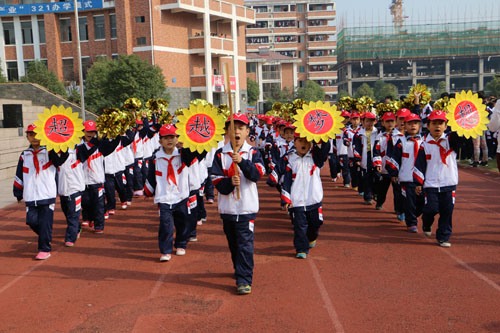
[(132, 103)]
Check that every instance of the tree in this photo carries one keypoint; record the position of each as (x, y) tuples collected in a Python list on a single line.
[(493, 87), (74, 96), (342, 93), (381, 90), (110, 82), (311, 92), (436, 92), (364, 90), (3, 79), (252, 91), (39, 73), (278, 95)]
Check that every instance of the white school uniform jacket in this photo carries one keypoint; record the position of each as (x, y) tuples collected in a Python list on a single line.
[(138, 146), (250, 170), (402, 158), (302, 185), (384, 140), (349, 137), (35, 179), (342, 149), (437, 161), (360, 144), (71, 177), (114, 162), (195, 175), (169, 188), (494, 124)]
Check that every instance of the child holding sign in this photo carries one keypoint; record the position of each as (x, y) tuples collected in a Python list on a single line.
[(235, 171)]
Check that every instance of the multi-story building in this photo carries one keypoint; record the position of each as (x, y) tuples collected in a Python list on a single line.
[(300, 29), (189, 40), (464, 55)]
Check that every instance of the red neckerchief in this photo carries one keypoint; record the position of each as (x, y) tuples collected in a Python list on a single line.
[(442, 151), (415, 148), (35, 160), (231, 171), (170, 171)]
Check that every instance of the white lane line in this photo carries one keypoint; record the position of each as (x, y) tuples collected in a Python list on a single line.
[(159, 282), (326, 299), (482, 207)]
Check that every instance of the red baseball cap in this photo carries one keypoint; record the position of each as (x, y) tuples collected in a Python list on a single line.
[(403, 113), (412, 117), (139, 122), (369, 115), (290, 126), (388, 116), (90, 126), (355, 114), (239, 117), (269, 120), (168, 129), (437, 115), (31, 128), (345, 114)]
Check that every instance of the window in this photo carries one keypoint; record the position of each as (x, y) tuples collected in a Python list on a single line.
[(8, 33), (280, 9), (12, 116), (260, 9), (68, 70), (65, 28), (302, 69), (41, 31), (27, 32), (99, 32), (84, 28), (86, 63), (112, 24), (141, 41), (12, 73), (251, 67), (301, 39), (300, 24), (301, 84), (27, 65), (300, 7), (258, 25), (140, 19), (301, 54), (258, 40), (114, 56)]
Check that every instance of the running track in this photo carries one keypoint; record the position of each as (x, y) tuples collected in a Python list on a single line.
[(367, 274)]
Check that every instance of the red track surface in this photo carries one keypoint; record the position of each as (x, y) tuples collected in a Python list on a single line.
[(367, 274)]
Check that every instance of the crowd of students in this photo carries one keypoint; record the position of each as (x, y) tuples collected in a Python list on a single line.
[(420, 163)]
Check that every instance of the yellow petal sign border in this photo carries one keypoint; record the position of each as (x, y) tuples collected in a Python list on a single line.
[(318, 121), (467, 115), (188, 131), (61, 123)]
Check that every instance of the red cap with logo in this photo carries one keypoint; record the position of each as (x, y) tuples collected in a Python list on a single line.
[(239, 117), (345, 114), (437, 115), (168, 129), (412, 117), (355, 114), (388, 116), (269, 120), (403, 113), (369, 115), (90, 126), (31, 128)]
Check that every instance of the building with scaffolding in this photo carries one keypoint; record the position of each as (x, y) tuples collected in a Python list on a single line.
[(463, 55)]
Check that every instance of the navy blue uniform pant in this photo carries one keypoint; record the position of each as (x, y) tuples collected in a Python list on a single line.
[(398, 198), (40, 219), (367, 179), (138, 179), (192, 217), (355, 173), (334, 165), (382, 187), (441, 203), (71, 207), (209, 188), (114, 182), (345, 169), (412, 203), (93, 205), (202, 212), (129, 186), (172, 216), (306, 223), (239, 230)]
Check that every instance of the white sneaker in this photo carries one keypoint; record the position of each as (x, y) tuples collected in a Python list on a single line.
[(204, 219), (165, 257), (428, 233), (180, 252), (444, 244), (193, 239), (200, 222), (129, 203), (124, 205)]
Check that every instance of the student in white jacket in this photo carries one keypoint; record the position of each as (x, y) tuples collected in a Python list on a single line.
[(494, 126)]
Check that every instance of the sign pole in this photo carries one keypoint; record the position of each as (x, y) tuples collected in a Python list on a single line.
[(80, 70), (231, 126)]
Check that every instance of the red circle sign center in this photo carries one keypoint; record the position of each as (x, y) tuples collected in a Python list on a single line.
[(467, 115), (59, 128), (200, 128), (318, 121)]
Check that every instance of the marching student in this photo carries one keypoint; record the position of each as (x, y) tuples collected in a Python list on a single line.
[(354, 170), (364, 146), (401, 167), (93, 197), (341, 149), (35, 183), (141, 131), (238, 214), (70, 186), (168, 181), (437, 163), (303, 192)]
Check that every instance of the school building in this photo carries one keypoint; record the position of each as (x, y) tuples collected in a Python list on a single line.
[(302, 32), (189, 40)]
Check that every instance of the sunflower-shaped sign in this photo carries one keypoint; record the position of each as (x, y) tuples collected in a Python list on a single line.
[(200, 127), (58, 128), (467, 115), (318, 121)]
